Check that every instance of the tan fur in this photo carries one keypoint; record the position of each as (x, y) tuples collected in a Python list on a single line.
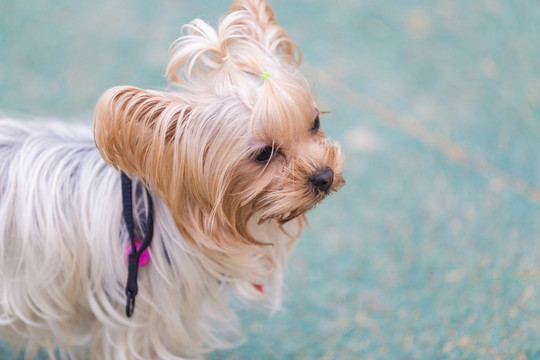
[(195, 144)]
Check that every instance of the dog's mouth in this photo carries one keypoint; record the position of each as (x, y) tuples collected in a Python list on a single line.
[(284, 206)]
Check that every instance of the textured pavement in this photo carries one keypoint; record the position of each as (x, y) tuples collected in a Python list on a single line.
[(432, 250)]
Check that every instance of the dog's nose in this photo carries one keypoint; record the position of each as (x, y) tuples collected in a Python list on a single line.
[(323, 179)]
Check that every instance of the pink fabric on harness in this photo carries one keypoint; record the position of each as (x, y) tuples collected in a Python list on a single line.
[(145, 256)]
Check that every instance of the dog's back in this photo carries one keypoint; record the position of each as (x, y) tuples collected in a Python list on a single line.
[(62, 258), (47, 172)]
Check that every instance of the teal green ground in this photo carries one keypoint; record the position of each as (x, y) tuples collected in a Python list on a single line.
[(432, 250)]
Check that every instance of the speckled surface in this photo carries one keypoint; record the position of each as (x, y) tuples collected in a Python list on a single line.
[(432, 250)]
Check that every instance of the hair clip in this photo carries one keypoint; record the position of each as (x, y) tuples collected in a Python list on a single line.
[(265, 75)]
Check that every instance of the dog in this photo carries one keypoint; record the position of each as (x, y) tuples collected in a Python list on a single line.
[(190, 199)]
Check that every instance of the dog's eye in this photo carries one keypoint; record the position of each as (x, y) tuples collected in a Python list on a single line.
[(316, 125), (265, 154)]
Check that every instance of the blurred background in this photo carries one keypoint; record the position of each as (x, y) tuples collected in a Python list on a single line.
[(432, 250)]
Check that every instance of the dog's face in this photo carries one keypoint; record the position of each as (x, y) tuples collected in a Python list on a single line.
[(290, 165), (237, 136)]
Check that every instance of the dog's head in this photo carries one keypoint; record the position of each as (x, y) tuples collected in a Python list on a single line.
[(238, 134)]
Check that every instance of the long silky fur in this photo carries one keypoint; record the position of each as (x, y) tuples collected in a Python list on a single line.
[(223, 221), (63, 259)]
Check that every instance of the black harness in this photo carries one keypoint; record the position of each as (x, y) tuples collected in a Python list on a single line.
[(133, 262)]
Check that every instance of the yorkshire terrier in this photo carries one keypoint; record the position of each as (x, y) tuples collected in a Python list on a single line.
[(184, 200)]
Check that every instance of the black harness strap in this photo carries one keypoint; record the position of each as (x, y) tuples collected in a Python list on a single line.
[(133, 262)]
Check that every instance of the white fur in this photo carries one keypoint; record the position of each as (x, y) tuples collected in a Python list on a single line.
[(63, 268)]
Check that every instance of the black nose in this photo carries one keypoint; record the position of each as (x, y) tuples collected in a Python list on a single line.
[(323, 179)]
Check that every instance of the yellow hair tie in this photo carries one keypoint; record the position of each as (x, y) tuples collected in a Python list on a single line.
[(265, 75)]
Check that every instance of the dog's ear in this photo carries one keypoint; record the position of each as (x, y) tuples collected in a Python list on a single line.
[(259, 24), (133, 129), (156, 137)]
